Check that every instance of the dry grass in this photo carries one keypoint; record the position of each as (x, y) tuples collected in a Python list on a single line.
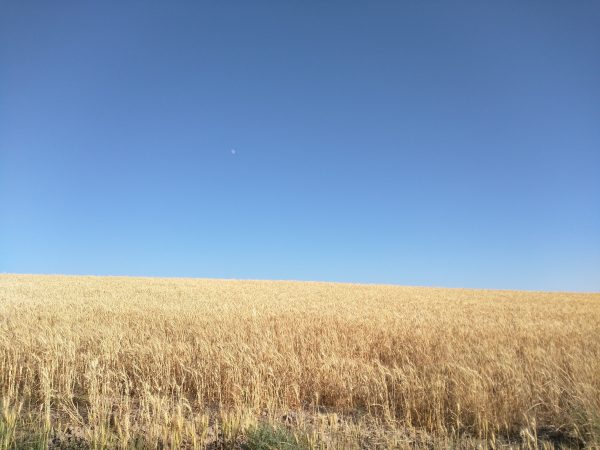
[(123, 362)]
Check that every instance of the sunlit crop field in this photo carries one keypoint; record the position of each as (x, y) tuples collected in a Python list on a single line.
[(109, 362)]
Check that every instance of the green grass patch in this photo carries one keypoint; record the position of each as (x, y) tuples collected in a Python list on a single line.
[(269, 437)]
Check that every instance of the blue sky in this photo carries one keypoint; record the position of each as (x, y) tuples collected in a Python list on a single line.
[(421, 143)]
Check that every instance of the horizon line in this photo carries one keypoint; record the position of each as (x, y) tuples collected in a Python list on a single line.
[(287, 280)]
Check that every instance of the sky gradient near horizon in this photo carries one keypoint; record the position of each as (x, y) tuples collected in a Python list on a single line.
[(424, 143)]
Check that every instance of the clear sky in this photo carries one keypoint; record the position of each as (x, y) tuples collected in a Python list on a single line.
[(413, 142)]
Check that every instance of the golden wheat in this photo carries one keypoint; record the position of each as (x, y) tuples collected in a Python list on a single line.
[(110, 362)]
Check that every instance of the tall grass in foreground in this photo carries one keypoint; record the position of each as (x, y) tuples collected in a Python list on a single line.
[(92, 362)]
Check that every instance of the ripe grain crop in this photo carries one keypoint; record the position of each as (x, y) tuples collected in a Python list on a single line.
[(115, 362)]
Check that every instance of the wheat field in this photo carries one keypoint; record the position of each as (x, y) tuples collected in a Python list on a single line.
[(116, 362)]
